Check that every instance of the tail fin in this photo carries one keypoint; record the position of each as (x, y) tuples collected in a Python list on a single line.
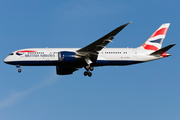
[(154, 42)]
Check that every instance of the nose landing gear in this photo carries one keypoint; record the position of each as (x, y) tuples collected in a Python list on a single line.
[(19, 70)]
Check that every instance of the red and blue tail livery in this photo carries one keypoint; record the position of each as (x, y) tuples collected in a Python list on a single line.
[(68, 60), (154, 42)]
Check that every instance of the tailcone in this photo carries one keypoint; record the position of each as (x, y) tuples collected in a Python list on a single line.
[(165, 54)]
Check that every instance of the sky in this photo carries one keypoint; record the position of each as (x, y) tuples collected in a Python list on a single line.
[(146, 91)]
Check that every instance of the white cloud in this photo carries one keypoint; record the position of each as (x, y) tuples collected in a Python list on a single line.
[(17, 95)]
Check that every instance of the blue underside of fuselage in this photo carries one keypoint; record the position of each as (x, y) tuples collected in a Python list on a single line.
[(113, 62), (56, 63)]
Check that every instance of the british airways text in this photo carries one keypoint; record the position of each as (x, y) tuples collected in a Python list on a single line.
[(37, 55)]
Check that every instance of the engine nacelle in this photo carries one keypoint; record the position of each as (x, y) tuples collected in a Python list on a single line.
[(65, 70), (66, 56)]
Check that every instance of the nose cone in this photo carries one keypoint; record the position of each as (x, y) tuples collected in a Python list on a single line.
[(6, 60)]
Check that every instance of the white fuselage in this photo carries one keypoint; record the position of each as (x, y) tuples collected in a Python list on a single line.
[(107, 56)]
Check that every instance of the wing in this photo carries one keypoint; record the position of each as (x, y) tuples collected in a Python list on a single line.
[(102, 42), (89, 53)]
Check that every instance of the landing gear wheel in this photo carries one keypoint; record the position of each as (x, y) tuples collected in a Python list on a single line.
[(89, 74), (87, 67), (85, 73), (19, 70), (91, 68)]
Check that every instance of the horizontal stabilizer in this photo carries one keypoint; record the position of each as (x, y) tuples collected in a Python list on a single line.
[(163, 50)]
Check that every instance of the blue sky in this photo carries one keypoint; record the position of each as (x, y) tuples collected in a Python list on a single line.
[(144, 91)]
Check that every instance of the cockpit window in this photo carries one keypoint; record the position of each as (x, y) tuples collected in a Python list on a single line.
[(11, 54)]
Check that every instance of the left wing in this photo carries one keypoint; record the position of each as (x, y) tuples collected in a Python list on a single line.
[(90, 52), (102, 42)]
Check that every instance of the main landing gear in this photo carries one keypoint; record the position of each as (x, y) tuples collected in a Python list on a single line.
[(88, 69), (19, 70)]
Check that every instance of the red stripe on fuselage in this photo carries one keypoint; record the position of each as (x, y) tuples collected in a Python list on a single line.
[(25, 51), (149, 47), (162, 31)]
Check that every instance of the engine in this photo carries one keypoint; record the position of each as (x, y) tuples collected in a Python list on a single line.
[(66, 56), (65, 70)]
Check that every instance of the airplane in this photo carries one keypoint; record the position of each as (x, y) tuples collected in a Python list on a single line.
[(68, 60)]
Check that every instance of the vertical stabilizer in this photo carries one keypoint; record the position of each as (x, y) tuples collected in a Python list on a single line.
[(154, 42)]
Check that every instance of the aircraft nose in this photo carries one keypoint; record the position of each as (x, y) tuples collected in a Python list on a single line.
[(6, 60)]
